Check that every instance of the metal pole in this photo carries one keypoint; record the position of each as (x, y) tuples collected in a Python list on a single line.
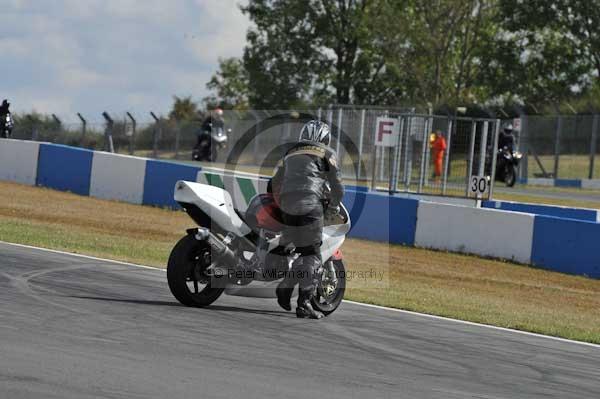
[(524, 146), (482, 148), (177, 138), (408, 154), (470, 160), (83, 128), (108, 140), (557, 145), (397, 152), (593, 145), (447, 159), (155, 135), (360, 141), (339, 134), (132, 137), (423, 156), (494, 159), (374, 165)]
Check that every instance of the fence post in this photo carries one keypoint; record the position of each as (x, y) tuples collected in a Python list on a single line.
[(83, 128), (557, 145), (108, 139), (447, 159), (593, 145), (408, 153), (470, 160), (133, 130), (524, 147), (423, 155), (394, 152), (494, 156), (177, 138), (360, 141), (156, 134), (482, 148), (339, 134)]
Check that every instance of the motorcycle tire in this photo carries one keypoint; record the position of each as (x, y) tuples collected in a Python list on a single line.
[(328, 305), (510, 176), (187, 260)]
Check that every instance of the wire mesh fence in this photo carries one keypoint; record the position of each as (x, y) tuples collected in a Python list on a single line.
[(559, 146)]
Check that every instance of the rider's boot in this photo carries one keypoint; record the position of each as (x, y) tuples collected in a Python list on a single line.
[(305, 309), (284, 293)]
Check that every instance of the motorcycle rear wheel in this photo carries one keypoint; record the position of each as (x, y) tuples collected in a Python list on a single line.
[(187, 264), (328, 298)]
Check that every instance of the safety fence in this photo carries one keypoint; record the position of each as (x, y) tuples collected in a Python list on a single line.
[(561, 148), (556, 243)]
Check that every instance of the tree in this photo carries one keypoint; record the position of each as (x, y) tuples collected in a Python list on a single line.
[(544, 50), (183, 109), (230, 83)]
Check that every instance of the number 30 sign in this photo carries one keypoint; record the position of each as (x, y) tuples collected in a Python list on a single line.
[(478, 185)]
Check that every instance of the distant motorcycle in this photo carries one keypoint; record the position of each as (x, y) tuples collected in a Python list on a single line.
[(6, 128), (507, 164), (209, 143)]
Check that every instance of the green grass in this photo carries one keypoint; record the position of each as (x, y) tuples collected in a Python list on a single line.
[(435, 282)]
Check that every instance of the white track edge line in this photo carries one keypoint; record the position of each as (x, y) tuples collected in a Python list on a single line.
[(409, 312)]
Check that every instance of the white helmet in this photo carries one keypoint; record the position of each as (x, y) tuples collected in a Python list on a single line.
[(316, 131)]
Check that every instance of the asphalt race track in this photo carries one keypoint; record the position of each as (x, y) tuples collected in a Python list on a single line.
[(72, 327)]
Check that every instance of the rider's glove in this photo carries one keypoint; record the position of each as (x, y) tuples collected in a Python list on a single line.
[(332, 211)]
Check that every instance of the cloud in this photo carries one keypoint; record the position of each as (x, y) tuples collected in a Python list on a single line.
[(68, 56)]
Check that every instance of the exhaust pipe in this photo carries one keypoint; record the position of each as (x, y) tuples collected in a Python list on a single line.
[(220, 250)]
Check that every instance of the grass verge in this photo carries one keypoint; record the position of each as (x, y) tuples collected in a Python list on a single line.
[(458, 286)]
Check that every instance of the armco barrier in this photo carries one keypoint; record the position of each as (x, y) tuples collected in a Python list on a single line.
[(19, 161), (590, 215), (486, 232), (576, 183), (567, 246), (64, 168), (160, 180), (118, 177)]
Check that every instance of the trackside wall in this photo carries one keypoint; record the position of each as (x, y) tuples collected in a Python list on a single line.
[(562, 243), (19, 161)]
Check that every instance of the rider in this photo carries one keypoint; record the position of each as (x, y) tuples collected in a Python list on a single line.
[(506, 138), (213, 120), (306, 176), (4, 111)]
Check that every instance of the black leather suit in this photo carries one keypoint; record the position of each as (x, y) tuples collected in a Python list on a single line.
[(307, 175)]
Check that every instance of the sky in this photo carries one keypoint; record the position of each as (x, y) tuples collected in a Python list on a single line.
[(90, 56)]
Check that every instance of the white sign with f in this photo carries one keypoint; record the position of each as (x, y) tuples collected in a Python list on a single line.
[(387, 132)]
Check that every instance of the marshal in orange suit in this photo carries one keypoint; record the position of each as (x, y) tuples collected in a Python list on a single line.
[(438, 148)]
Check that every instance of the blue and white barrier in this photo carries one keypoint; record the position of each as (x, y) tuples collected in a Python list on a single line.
[(118, 177), (506, 235), (555, 238), (65, 168), (19, 161), (576, 183), (589, 215)]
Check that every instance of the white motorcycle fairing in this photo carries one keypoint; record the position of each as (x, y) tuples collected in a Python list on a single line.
[(218, 205), (213, 201)]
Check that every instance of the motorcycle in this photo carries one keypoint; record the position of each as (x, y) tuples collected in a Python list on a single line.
[(240, 254), (210, 142), (7, 125), (506, 166)]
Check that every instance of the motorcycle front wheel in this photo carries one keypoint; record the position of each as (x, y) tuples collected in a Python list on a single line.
[(510, 176), (186, 273), (331, 288)]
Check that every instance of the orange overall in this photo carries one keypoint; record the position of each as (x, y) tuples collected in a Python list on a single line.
[(438, 147)]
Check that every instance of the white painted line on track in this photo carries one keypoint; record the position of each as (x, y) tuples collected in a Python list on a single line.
[(408, 312)]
